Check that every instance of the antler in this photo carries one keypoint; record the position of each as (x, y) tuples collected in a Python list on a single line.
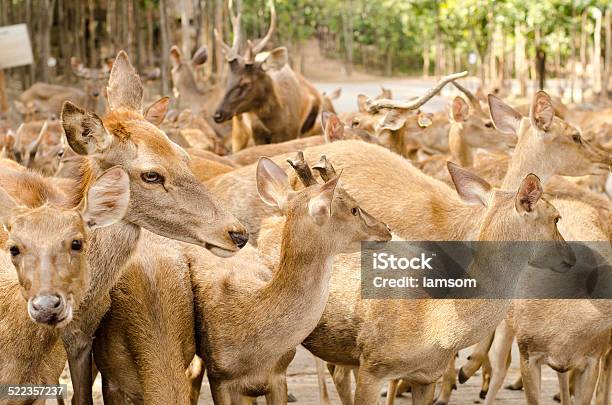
[(301, 168), (470, 96), (325, 169), (375, 105), (264, 41), (232, 52)]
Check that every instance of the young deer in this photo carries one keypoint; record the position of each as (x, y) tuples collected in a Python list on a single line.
[(160, 177), (48, 245), (262, 84), (241, 306)]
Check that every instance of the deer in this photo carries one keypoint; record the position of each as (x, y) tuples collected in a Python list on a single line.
[(43, 268), (199, 98), (240, 305), (378, 357), (159, 177), (284, 105), (43, 100), (151, 309), (396, 123)]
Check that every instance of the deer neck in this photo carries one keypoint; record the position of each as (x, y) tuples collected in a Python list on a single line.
[(295, 297), (527, 158), (267, 104), (460, 152), (110, 247)]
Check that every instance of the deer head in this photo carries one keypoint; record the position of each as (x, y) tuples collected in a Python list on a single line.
[(248, 82), (166, 197), (521, 215), (559, 144), (92, 79), (323, 212), (470, 130), (183, 76), (48, 245)]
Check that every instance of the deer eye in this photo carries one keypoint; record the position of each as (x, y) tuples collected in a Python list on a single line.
[(355, 123), (14, 251), (557, 220), (489, 124), (355, 211), (152, 177), (76, 245), (577, 139), (60, 153)]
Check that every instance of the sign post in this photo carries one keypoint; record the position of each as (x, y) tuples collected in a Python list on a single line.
[(15, 50)]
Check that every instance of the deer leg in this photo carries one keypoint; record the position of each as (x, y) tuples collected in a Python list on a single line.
[(585, 381), (112, 395), (341, 377), (449, 380), (368, 387), (486, 377), (80, 365), (498, 358), (323, 393), (392, 391), (602, 396), (423, 394), (476, 358), (278, 391), (531, 372), (564, 391), (220, 393)]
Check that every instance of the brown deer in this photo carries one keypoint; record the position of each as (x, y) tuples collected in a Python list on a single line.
[(159, 178), (262, 84), (201, 99), (403, 350), (48, 244), (149, 329), (241, 306)]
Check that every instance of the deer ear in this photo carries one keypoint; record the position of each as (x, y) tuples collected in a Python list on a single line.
[(156, 112), (504, 117), (107, 199), (175, 55), (335, 94), (276, 59), (320, 204), (470, 187), (362, 102), (272, 183), (459, 110), (84, 130), (528, 194), (333, 128), (200, 56), (394, 119), (424, 119), (124, 86), (77, 66), (542, 111)]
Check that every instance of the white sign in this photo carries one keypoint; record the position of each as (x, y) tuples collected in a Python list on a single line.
[(15, 47)]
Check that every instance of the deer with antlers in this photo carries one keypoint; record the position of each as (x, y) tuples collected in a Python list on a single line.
[(262, 84)]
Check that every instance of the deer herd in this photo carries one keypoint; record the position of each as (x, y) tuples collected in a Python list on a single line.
[(156, 246)]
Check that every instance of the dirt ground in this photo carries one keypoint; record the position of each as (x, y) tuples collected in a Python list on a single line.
[(302, 383)]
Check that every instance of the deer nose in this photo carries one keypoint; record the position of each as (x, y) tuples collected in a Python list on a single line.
[(46, 308), (96, 93), (218, 117), (239, 238)]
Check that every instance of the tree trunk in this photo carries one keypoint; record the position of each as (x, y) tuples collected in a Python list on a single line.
[(348, 38), (150, 38), (597, 52), (520, 59), (46, 22), (3, 97), (583, 53), (165, 45), (219, 58), (607, 84), (185, 40), (93, 51), (426, 59), (140, 56)]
